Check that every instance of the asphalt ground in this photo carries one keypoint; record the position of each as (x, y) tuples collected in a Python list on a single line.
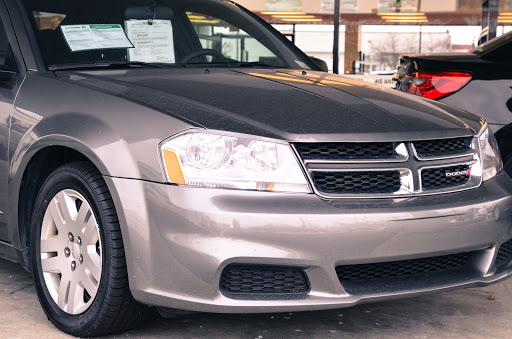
[(470, 313)]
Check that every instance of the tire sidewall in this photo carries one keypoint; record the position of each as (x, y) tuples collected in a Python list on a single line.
[(58, 181), (507, 164)]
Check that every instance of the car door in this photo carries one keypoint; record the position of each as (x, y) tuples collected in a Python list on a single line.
[(11, 76)]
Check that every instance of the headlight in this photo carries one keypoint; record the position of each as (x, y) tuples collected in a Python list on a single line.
[(221, 160), (489, 154)]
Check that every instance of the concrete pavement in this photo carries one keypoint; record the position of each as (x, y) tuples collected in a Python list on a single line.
[(471, 313)]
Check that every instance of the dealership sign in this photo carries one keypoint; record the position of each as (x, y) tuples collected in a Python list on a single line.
[(398, 6), (346, 6), (383, 80), (284, 5)]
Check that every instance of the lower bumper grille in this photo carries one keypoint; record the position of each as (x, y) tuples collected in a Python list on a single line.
[(404, 268), (504, 254), (240, 280)]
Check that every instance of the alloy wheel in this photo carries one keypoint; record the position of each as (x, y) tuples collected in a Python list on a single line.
[(71, 259)]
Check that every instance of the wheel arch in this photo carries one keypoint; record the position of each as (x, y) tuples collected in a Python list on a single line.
[(504, 136), (28, 177)]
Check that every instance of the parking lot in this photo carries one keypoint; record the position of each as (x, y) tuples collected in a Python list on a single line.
[(471, 313)]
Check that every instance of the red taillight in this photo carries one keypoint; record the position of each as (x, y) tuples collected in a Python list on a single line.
[(435, 85)]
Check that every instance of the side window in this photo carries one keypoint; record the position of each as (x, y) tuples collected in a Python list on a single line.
[(6, 55), (231, 41)]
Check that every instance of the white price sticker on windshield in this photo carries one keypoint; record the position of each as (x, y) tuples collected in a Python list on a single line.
[(92, 37), (153, 41)]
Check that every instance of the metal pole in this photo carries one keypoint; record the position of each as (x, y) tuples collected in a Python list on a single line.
[(494, 8), (421, 36), (421, 27), (336, 48)]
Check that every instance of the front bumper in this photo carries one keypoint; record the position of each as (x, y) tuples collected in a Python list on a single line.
[(178, 240)]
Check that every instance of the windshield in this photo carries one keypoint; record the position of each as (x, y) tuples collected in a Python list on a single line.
[(167, 33)]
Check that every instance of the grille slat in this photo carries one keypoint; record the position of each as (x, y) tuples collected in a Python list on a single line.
[(380, 182), (504, 254), (437, 178), (404, 268), (444, 147), (347, 151), (238, 279)]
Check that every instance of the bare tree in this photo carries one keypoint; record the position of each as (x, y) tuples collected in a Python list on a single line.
[(387, 48)]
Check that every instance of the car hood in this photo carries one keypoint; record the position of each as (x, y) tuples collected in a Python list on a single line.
[(285, 104)]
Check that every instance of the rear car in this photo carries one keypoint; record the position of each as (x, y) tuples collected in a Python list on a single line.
[(184, 155), (479, 82)]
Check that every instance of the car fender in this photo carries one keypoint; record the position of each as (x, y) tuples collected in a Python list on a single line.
[(99, 143)]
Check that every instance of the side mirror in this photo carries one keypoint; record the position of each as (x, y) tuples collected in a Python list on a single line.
[(320, 63)]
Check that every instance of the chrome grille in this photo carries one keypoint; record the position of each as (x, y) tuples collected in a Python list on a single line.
[(435, 178), (373, 170), (358, 182), (344, 150), (443, 147)]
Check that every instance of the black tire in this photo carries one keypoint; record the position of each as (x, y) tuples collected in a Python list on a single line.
[(113, 310), (507, 164)]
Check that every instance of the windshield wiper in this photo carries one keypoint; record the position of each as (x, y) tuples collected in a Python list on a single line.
[(110, 64), (230, 64), (252, 64)]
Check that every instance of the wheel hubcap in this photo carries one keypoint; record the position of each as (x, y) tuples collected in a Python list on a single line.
[(71, 258)]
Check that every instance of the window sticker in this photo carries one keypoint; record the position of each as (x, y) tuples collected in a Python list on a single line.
[(46, 20), (92, 37), (153, 41)]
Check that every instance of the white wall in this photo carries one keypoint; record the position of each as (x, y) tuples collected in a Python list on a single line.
[(432, 6), (316, 40)]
